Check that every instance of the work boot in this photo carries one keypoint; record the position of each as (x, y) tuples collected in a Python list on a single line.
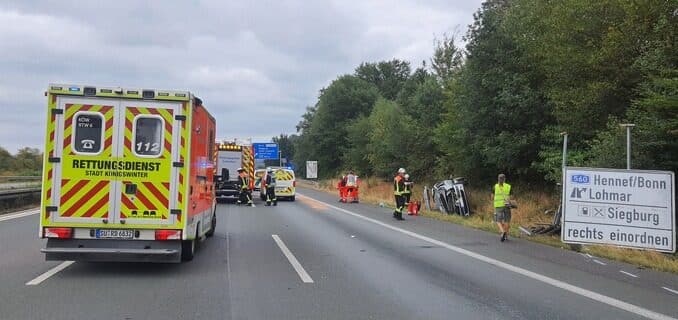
[(400, 216), (275, 203), (268, 203)]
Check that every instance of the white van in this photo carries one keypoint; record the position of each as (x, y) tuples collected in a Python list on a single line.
[(286, 184)]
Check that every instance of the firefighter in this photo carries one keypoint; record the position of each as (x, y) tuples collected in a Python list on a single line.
[(407, 192), (398, 188), (245, 196), (342, 189), (269, 184)]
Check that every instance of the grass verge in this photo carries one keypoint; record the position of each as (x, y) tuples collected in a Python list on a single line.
[(532, 206)]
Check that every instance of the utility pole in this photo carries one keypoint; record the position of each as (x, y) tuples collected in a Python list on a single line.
[(628, 127), (280, 158)]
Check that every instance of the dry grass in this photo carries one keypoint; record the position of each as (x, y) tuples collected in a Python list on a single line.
[(530, 211)]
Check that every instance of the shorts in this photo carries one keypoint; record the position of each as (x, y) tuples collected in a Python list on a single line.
[(502, 214)]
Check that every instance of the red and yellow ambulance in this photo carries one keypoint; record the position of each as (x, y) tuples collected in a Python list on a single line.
[(128, 174)]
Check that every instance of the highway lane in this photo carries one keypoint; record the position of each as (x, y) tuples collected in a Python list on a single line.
[(360, 270)]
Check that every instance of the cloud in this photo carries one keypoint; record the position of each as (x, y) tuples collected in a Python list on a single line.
[(256, 65)]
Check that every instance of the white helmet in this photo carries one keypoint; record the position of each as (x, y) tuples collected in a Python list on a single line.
[(239, 169), (269, 169), (401, 170), (407, 176)]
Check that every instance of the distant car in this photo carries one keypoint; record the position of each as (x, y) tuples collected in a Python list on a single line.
[(450, 197), (286, 184)]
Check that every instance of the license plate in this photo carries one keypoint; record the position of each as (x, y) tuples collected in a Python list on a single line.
[(114, 234)]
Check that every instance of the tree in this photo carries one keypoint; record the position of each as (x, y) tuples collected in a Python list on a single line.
[(388, 76), (6, 161), (447, 59), (389, 139), (285, 145), (28, 161), (495, 112), (355, 155), (347, 98)]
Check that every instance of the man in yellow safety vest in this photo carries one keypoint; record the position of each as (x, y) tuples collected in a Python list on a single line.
[(501, 196), (398, 191)]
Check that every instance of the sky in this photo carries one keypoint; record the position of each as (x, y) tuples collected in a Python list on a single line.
[(255, 64)]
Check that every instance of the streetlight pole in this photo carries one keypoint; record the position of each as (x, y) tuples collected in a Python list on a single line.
[(628, 127), (564, 134), (280, 158)]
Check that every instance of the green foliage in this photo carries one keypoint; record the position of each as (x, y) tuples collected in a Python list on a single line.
[(354, 154), (390, 136), (496, 110), (387, 76), (325, 132), (27, 162), (531, 69)]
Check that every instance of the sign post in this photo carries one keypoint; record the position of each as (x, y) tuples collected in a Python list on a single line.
[(625, 208), (311, 169)]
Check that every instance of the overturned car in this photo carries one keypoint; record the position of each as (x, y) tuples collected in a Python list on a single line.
[(450, 197)]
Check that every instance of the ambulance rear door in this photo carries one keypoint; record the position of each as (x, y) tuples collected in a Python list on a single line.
[(149, 150)]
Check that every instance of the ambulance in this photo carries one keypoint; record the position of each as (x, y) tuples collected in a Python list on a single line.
[(128, 174)]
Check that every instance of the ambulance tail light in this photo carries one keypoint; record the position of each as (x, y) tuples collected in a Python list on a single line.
[(167, 234), (294, 183), (59, 233)]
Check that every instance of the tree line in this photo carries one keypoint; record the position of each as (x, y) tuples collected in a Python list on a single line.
[(529, 70), (26, 162)]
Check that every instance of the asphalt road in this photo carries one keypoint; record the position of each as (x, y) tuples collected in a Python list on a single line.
[(314, 260)]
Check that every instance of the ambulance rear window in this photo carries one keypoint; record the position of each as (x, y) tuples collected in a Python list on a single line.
[(148, 136), (88, 133)]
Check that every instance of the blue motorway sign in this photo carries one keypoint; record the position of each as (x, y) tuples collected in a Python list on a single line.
[(265, 150)]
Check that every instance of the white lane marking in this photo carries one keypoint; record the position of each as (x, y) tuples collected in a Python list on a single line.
[(293, 260), (628, 274), (527, 273), (588, 255), (19, 215), (599, 262), (49, 273), (670, 290)]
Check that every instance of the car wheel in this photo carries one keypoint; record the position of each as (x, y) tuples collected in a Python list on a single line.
[(188, 247)]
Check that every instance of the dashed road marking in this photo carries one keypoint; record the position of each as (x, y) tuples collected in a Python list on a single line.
[(628, 274), (509, 267), (670, 290), (49, 273), (599, 262), (293, 260)]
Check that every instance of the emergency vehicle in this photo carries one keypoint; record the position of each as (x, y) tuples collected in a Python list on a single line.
[(127, 174), (285, 186), (231, 156)]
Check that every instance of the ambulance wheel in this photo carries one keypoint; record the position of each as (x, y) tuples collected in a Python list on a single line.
[(188, 247), (214, 226), (292, 198)]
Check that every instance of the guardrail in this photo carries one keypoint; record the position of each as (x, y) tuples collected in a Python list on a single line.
[(19, 182), (14, 198)]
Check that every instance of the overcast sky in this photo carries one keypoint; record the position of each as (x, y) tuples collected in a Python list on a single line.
[(255, 64)]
